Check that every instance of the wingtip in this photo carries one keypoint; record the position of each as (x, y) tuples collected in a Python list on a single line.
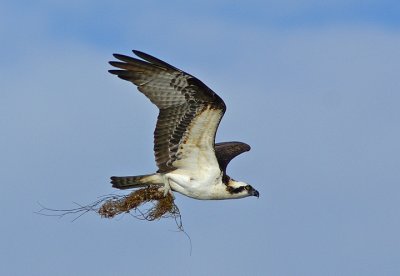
[(120, 74), (116, 55), (137, 52), (143, 55), (248, 147), (120, 57)]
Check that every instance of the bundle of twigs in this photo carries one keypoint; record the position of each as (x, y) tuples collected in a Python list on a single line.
[(163, 206), (148, 203)]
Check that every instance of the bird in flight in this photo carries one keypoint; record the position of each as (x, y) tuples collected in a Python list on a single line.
[(188, 159)]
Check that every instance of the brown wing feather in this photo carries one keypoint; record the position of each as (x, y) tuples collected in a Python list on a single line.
[(179, 96), (226, 151)]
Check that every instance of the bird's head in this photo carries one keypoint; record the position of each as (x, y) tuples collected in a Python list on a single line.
[(238, 189)]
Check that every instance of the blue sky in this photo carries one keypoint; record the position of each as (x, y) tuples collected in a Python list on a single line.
[(312, 86)]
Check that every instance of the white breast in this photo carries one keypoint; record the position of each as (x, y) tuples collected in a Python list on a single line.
[(203, 184)]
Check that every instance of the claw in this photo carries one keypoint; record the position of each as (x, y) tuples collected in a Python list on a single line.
[(167, 187)]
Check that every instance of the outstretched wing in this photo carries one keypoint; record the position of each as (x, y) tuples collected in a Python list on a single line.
[(226, 151), (189, 115)]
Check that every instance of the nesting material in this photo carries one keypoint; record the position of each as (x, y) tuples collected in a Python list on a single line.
[(146, 204), (162, 206)]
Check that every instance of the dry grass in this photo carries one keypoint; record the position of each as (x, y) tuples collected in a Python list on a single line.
[(146, 204), (163, 206)]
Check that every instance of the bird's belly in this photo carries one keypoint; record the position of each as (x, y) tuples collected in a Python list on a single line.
[(195, 185)]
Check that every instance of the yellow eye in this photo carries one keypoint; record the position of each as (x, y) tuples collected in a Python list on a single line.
[(248, 187)]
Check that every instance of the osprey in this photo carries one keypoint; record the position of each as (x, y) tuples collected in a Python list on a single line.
[(188, 159)]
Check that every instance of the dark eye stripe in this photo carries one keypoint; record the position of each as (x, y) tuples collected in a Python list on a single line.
[(235, 190)]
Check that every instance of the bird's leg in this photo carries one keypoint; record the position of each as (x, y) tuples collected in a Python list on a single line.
[(167, 186), (178, 182)]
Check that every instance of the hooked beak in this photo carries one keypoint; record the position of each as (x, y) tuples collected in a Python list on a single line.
[(254, 192)]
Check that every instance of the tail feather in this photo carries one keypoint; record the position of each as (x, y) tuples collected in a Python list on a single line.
[(128, 182)]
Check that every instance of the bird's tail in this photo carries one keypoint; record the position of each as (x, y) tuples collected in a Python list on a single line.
[(128, 182)]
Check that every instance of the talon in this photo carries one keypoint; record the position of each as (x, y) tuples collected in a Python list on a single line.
[(167, 187), (166, 191)]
